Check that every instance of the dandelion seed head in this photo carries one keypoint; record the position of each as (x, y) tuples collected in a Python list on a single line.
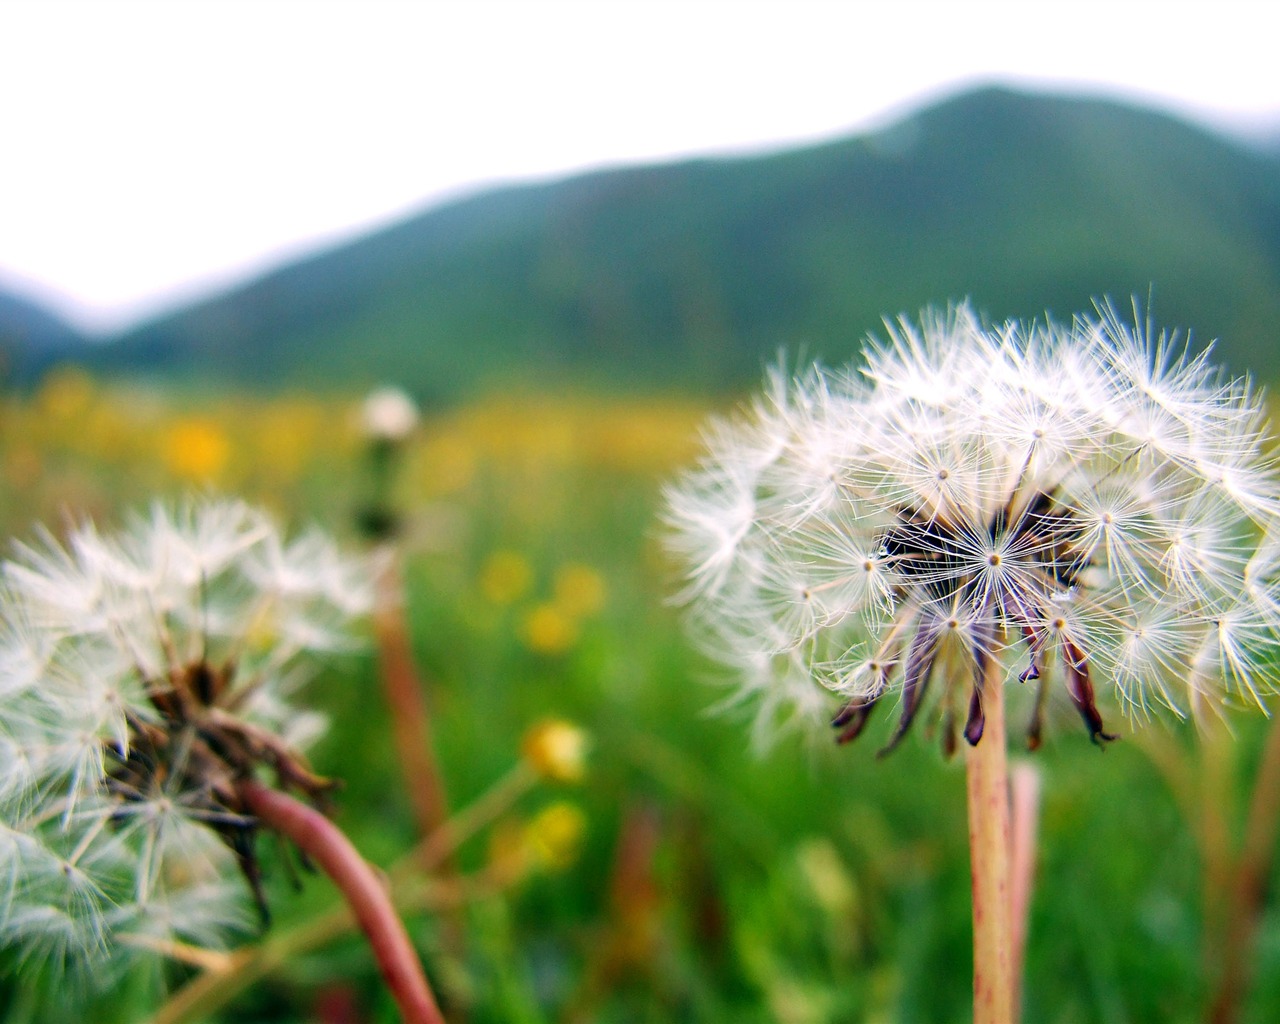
[(1087, 502), (142, 673)]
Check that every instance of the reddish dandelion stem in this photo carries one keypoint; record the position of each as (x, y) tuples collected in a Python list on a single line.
[(332, 852), (410, 720)]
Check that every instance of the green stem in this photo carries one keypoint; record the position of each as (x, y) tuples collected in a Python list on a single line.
[(428, 855), (1248, 894), (244, 967)]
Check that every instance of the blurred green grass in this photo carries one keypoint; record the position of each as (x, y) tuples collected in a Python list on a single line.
[(802, 884)]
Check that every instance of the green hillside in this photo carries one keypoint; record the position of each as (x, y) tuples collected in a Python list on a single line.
[(693, 274), (31, 339)]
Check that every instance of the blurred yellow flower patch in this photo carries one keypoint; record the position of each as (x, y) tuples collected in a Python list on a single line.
[(65, 393), (447, 464), (553, 836), (549, 841), (579, 590), (287, 438), (506, 577), (548, 630), (196, 449)]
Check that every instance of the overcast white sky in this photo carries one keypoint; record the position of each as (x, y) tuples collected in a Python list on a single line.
[(154, 149)]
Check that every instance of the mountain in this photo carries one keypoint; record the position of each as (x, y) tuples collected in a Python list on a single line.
[(32, 338), (695, 273)]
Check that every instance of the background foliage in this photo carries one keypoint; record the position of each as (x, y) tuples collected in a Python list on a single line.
[(693, 274)]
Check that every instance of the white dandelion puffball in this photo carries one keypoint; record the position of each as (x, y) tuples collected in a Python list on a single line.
[(389, 414), (142, 676), (1089, 503)]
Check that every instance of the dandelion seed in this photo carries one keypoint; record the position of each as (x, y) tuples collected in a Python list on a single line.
[(1087, 503)]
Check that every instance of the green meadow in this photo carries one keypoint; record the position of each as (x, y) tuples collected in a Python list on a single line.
[(692, 873)]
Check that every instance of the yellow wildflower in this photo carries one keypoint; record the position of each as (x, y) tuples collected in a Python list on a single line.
[(579, 589), (548, 630), (506, 577), (556, 750), (554, 835), (196, 449)]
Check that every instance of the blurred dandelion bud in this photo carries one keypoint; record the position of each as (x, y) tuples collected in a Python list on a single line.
[(556, 750), (553, 836), (388, 415), (1087, 503), (144, 678)]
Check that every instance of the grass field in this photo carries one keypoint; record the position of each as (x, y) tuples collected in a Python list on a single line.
[(691, 876)]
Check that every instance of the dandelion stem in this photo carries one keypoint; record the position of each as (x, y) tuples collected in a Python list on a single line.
[(1216, 810), (244, 967), (405, 690), (370, 902), (441, 844), (211, 960), (987, 775), (410, 720), (1248, 897), (1025, 812)]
